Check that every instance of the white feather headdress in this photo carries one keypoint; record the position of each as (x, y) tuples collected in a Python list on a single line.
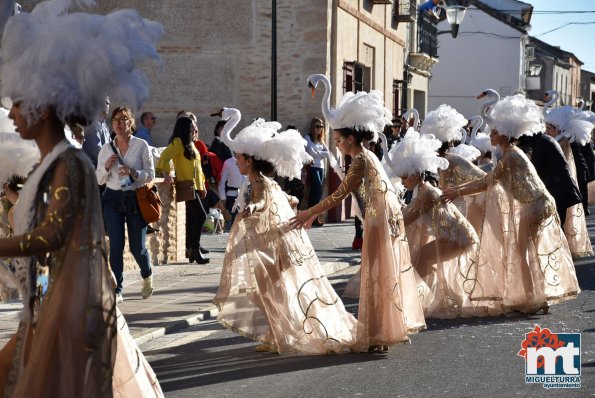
[(567, 120), (73, 61), (444, 123), (515, 116), (286, 151), (417, 153), (361, 111), (468, 152), (483, 142)]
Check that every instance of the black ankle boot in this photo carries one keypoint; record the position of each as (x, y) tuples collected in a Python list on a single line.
[(203, 250), (197, 257)]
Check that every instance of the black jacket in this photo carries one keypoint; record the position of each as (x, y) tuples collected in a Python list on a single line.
[(551, 166)]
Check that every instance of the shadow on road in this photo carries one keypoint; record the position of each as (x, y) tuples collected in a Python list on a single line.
[(204, 363)]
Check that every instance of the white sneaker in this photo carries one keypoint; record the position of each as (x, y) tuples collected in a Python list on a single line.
[(119, 298), (147, 289)]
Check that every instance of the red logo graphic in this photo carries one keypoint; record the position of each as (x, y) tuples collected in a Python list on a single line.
[(540, 338)]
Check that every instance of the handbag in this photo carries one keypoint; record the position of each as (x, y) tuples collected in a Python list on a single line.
[(149, 202), (147, 197), (185, 191)]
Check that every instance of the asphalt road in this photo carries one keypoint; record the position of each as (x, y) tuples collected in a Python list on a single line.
[(474, 357)]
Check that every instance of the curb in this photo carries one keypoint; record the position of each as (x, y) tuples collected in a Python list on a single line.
[(211, 312)]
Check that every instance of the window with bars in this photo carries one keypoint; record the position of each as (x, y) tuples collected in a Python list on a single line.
[(356, 77), (404, 11)]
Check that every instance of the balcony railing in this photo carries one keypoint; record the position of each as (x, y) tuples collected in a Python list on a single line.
[(404, 11), (427, 35)]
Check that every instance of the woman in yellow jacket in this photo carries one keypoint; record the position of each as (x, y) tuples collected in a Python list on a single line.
[(187, 167)]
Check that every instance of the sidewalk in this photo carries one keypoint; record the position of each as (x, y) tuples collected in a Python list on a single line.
[(183, 292)]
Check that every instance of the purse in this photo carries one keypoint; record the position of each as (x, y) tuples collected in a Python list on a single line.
[(185, 191), (147, 197)]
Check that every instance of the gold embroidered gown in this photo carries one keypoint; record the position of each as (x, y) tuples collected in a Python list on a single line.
[(389, 305), (448, 268), (272, 288), (536, 267), (461, 171), (67, 343), (575, 226)]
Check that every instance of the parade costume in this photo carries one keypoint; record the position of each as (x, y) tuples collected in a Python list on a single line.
[(570, 129), (69, 342), (536, 268), (444, 246), (445, 124), (389, 306), (272, 288)]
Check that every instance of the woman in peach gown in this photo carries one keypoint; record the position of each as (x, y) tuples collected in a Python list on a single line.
[(444, 246), (536, 269), (389, 307), (272, 288), (71, 340), (561, 125), (445, 124)]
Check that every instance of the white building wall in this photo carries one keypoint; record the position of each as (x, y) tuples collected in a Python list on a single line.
[(473, 62)]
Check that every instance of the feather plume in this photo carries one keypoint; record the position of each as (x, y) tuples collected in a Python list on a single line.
[(17, 156), (417, 153), (467, 151), (444, 123), (362, 111), (73, 61), (515, 116)]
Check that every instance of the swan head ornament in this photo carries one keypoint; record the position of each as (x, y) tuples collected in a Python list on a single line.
[(262, 140)]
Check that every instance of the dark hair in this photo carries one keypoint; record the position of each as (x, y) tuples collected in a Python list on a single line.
[(430, 178), (262, 166), (126, 111), (183, 130), (291, 127), (312, 133), (358, 135), (445, 147), (218, 126), (144, 116)]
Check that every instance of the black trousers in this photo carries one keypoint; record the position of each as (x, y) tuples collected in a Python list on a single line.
[(195, 220)]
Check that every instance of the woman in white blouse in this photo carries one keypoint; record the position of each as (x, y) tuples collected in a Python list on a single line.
[(124, 165), (317, 149)]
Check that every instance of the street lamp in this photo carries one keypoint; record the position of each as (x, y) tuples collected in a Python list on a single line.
[(535, 69), (454, 16)]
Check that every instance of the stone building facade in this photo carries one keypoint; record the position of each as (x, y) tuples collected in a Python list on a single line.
[(218, 53)]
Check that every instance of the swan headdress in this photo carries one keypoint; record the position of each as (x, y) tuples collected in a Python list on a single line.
[(73, 61), (444, 123), (361, 111), (417, 153), (567, 120), (515, 116), (284, 150)]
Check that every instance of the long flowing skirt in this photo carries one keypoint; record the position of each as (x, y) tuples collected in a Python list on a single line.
[(273, 290)]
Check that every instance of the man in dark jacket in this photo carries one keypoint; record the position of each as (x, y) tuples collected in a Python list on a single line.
[(551, 166), (585, 170)]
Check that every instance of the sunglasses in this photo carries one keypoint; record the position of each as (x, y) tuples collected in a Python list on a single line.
[(318, 126), (120, 119), (153, 118)]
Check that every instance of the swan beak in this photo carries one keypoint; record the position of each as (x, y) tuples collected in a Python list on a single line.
[(313, 90), (480, 96), (220, 113)]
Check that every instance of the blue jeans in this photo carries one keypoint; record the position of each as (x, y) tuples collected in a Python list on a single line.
[(121, 208), (317, 176)]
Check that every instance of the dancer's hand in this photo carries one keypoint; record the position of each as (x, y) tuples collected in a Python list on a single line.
[(303, 219), (449, 194), (248, 211)]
